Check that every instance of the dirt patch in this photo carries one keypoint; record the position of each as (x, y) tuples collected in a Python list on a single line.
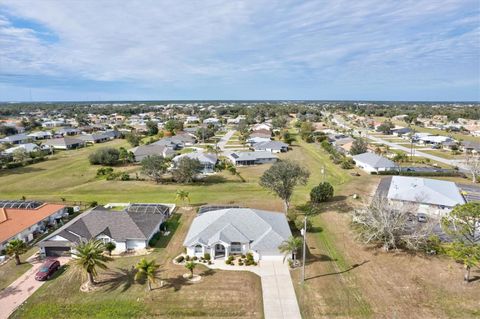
[(347, 280)]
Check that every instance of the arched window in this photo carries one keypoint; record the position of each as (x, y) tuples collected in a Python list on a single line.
[(198, 249)]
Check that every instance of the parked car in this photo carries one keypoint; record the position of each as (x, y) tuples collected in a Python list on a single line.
[(422, 218), (48, 268)]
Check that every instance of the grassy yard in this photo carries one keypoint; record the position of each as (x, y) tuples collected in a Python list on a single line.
[(9, 271), (220, 294)]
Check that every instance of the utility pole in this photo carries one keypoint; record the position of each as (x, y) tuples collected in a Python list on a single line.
[(304, 233)]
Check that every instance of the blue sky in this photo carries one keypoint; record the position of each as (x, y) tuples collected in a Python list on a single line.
[(141, 50)]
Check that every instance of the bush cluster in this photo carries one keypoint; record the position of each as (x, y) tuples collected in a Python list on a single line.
[(105, 156)]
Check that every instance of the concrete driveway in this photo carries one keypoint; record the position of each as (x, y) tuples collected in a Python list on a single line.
[(22, 288), (279, 299)]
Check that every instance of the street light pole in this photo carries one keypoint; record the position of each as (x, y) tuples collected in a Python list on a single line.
[(304, 230)]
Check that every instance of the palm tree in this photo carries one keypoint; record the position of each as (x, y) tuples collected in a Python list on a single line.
[(233, 170), (147, 269), (15, 248), (89, 256), (183, 196), (291, 246), (190, 265)]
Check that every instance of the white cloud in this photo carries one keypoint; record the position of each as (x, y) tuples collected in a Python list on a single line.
[(169, 41)]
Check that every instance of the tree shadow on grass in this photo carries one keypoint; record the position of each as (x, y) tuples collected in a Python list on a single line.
[(339, 272), (122, 278), (177, 283), (20, 170)]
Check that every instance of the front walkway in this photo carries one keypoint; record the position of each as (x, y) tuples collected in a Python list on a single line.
[(22, 288), (279, 299)]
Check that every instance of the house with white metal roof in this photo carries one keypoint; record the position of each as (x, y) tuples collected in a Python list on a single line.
[(373, 163), (224, 232), (430, 196)]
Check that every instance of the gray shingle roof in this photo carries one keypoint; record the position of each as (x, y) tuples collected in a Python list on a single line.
[(274, 145), (264, 230), (202, 157), (119, 225), (374, 160), (252, 156)]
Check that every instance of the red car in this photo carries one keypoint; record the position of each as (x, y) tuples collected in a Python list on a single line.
[(48, 268)]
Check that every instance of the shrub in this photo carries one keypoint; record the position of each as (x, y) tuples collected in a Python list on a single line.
[(179, 259), (105, 156), (347, 163), (125, 177), (13, 165), (299, 223), (240, 263), (249, 256), (207, 256), (209, 262), (194, 258), (321, 193), (94, 203), (104, 171), (187, 258), (228, 262)]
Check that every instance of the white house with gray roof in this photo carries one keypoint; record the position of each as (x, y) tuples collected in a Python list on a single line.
[(224, 232), (252, 158), (130, 229), (373, 163), (424, 195), (271, 146)]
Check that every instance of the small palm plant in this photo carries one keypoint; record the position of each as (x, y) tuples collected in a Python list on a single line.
[(183, 196), (15, 248), (190, 265), (147, 269), (110, 246), (291, 246), (89, 256)]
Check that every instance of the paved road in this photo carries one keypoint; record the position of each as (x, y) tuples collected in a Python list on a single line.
[(279, 299), (224, 140), (22, 288), (420, 153)]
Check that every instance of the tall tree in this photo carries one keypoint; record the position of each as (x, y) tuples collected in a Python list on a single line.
[(147, 269), (463, 225), (89, 257), (282, 177), (186, 169), (15, 248), (154, 167), (152, 128), (291, 246), (359, 146), (473, 165)]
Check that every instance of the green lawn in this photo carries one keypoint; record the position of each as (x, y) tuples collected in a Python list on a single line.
[(9, 271)]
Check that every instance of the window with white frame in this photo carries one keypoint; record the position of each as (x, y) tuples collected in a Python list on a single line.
[(198, 249)]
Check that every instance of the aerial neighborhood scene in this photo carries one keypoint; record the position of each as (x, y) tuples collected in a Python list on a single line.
[(243, 159)]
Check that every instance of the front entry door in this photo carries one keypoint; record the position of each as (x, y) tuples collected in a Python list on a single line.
[(219, 250)]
